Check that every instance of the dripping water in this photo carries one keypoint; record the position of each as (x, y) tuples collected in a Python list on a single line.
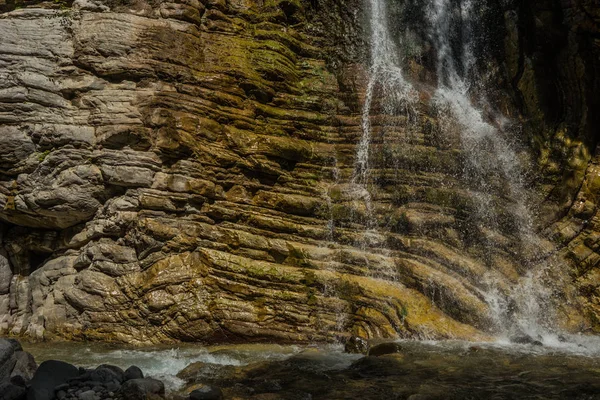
[(387, 85), (386, 75)]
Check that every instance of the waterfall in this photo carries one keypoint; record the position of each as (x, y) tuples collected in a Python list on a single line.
[(387, 83), (488, 153), (385, 75), (488, 147)]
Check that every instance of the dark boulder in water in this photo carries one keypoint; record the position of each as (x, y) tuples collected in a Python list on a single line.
[(206, 393), (142, 389), (117, 372), (48, 376), (385, 348), (104, 374), (133, 372)]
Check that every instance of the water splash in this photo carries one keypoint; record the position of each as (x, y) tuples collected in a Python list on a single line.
[(161, 362)]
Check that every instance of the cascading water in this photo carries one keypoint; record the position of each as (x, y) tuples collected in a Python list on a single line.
[(394, 93), (492, 168), (488, 154), (386, 75)]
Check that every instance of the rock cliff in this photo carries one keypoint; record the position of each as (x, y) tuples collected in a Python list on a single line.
[(182, 171)]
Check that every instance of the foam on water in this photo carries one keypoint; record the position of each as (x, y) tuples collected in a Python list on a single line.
[(161, 362), (554, 345)]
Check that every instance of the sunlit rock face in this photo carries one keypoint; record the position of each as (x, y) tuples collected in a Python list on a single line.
[(187, 171)]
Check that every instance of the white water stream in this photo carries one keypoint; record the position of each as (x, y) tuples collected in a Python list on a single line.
[(488, 154), (386, 76), (486, 144)]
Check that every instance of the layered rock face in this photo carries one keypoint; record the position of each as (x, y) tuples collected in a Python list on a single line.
[(165, 177), (552, 55), (183, 171)]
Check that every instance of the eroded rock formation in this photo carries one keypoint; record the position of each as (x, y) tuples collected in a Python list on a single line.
[(182, 171)]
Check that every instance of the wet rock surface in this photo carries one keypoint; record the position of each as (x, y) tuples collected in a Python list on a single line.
[(384, 348), (206, 393), (153, 193), (356, 345)]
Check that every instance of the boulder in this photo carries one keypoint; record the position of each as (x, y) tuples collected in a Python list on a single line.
[(25, 365), (48, 376), (133, 372), (142, 389), (385, 348), (206, 393), (106, 374), (8, 347), (87, 395)]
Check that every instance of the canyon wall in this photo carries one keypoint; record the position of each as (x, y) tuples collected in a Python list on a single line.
[(183, 171)]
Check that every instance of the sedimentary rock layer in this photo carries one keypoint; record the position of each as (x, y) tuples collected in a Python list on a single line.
[(183, 171)]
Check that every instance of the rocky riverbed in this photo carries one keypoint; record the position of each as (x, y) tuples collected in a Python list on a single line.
[(395, 370)]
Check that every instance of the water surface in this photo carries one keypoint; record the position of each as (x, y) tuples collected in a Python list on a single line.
[(430, 369)]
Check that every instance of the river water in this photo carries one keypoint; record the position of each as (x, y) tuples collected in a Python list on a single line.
[(429, 369)]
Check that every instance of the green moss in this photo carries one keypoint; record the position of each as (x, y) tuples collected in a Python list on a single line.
[(347, 289), (311, 297), (399, 223), (335, 193), (402, 194), (42, 156), (342, 213), (310, 278)]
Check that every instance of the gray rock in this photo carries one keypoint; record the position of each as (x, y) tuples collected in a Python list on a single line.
[(25, 365), (5, 273), (7, 358), (88, 395), (112, 386)]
